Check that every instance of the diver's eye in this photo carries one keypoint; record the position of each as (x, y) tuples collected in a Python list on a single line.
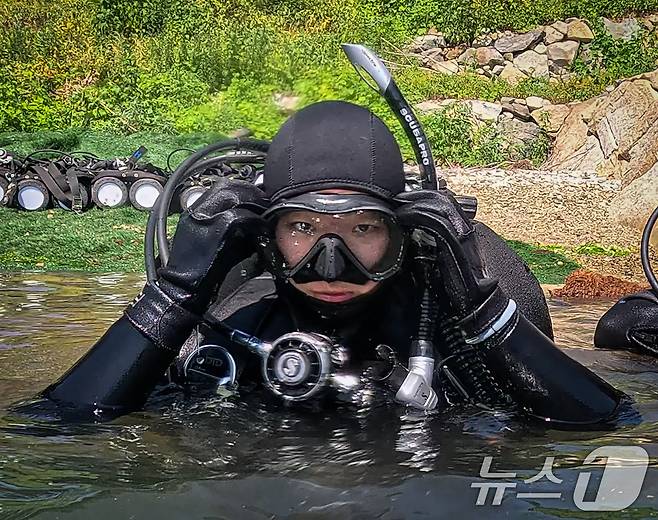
[(363, 229), (302, 227)]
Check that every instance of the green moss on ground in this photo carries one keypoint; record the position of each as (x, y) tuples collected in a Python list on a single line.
[(549, 265)]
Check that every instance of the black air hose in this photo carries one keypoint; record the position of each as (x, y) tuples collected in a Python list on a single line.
[(465, 367), (644, 251)]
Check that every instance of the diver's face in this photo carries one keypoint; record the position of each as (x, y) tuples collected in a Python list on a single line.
[(363, 232)]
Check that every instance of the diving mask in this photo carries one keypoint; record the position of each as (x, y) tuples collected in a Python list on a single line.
[(333, 237)]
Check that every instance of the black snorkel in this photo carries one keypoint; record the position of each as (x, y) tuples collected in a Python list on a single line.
[(364, 60), (644, 251)]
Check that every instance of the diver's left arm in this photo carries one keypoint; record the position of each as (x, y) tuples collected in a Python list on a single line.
[(501, 344)]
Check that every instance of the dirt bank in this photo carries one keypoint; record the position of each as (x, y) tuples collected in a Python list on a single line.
[(567, 209)]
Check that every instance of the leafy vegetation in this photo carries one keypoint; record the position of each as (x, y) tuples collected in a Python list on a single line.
[(175, 67)]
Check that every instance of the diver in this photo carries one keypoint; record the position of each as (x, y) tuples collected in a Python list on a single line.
[(632, 323), (363, 282)]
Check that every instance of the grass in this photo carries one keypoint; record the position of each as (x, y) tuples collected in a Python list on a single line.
[(56, 240), (550, 265), (113, 241)]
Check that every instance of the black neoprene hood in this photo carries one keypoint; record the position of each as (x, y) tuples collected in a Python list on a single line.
[(333, 144)]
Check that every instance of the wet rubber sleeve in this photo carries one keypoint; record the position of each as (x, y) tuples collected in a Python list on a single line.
[(546, 382), (115, 376), (631, 324)]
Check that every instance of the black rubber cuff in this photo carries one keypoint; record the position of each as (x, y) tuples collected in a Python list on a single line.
[(160, 318), (486, 315)]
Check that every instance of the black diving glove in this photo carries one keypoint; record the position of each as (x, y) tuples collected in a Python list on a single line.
[(479, 304), (217, 233)]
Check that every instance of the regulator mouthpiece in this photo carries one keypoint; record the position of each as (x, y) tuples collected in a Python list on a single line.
[(413, 385)]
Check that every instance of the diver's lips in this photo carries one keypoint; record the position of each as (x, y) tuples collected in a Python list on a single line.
[(333, 297)]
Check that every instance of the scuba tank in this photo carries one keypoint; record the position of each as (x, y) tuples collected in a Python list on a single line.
[(122, 180)]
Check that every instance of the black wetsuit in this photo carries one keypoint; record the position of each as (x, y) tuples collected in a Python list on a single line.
[(631, 324), (118, 374)]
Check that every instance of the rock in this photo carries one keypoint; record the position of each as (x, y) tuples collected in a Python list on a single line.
[(563, 53), (484, 110), (630, 110), (454, 52), (552, 35), (560, 26), (635, 203), (519, 111), (509, 56), (497, 69), (641, 157), (606, 137), (484, 40), (512, 75), (426, 42), (286, 103), (431, 105), (518, 132), (507, 99), (448, 67), (587, 158), (551, 117), (572, 136), (488, 56), (480, 71), (517, 42), (433, 52), (625, 124), (652, 77), (467, 57), (587, 109), (532, 63), (578, 30), (432, 56), (535, 103), (624, 30), (540, 48)]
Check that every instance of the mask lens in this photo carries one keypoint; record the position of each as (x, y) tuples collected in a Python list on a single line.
[(372, 237)]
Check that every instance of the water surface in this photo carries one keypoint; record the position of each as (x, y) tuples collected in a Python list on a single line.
[(217, 459)]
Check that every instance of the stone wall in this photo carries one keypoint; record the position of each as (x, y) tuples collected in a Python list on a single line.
[(545, 52)]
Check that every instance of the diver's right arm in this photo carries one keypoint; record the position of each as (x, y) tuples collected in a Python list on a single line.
[(120, 371), (503, 358)]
